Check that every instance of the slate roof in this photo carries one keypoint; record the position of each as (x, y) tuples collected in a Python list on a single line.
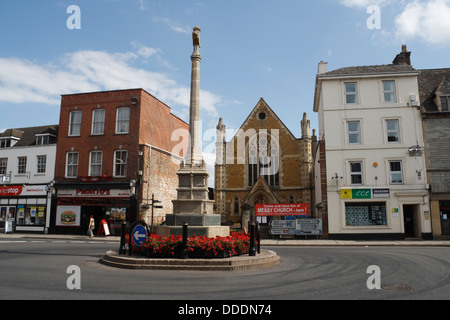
[(27, 136), (429, 80), (370, 70)]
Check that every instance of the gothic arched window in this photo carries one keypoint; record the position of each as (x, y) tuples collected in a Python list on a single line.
[(264, 158)]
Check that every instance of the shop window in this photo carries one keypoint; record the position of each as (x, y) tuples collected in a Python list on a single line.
[(30, 215), (365, 214)]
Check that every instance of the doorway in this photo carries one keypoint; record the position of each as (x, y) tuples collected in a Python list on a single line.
[(410, 220)]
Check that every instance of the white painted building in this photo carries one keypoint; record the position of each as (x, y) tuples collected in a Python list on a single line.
[(27, 167), (374, 182)]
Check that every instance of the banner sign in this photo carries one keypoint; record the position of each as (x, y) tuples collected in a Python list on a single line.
[(20, 190), (290, 209), (95, 193)]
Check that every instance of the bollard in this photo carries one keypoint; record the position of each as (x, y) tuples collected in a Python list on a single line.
[(258, 238), (252, 249), (184, 253), (123, 249)]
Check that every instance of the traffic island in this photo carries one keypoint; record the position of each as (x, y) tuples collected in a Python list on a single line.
[(266, 259)]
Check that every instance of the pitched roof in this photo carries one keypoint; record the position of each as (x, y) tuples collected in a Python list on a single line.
[(429, 80), (27, 136), (369, 70)]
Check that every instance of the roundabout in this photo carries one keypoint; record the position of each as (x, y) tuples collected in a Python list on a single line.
[(266, 259)]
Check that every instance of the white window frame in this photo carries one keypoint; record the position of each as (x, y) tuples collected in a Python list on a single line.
[(391, 172), (75, 124), (41, 164), (356, 173), (351, 93), (22, 165), (358, 132), (72, 167), (3, 166), (98, 122), (95, 163), (390, 131), (389, 92), (122, 124), (122, 165)]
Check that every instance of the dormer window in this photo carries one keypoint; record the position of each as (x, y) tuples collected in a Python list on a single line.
[(8, 142), (44, 139), (445, 101), (5, 143)]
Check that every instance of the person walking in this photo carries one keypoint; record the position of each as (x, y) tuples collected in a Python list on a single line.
[(91, 226)]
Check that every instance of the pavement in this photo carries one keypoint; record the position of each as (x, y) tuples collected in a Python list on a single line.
[(264, 242)]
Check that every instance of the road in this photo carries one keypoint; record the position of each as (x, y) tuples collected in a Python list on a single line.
[(38, 269)]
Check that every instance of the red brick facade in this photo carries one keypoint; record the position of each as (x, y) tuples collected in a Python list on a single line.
[(144, 137)]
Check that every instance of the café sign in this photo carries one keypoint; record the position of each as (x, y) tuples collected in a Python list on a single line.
[(94, 193)]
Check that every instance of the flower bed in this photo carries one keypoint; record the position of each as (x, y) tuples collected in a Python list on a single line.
[(197, 246)]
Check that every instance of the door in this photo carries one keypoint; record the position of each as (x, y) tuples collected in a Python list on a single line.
[(409, 218)]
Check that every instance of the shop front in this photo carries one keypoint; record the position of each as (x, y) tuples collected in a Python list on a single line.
[(75, 206), (379, 214), (25, 208)]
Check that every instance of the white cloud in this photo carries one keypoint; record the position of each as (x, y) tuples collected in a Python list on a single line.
[(428, 20), (364, 3), (175, 26), (23, 81)]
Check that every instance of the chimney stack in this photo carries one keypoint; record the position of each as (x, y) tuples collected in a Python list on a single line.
[(403, 57)]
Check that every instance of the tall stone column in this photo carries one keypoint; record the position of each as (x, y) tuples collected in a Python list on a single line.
[(192, 205), (195, 154)]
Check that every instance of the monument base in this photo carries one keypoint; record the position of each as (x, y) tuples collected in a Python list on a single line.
[(207, 231)]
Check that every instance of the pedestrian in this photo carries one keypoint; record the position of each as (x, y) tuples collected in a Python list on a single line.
[(91, 226)]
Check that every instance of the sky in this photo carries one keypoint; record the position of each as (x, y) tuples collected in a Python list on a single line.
[(250, 49)]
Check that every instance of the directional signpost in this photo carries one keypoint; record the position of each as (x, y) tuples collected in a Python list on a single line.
[(139, 235), (282, 227)]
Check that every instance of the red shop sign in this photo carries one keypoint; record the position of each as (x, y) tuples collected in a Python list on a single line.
[(10, 191)]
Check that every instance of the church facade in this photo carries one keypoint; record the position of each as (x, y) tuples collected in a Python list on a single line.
[(264, 163)]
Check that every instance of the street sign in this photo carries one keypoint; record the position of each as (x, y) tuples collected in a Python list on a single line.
[(282, 224), (139, 235), (305, 227)]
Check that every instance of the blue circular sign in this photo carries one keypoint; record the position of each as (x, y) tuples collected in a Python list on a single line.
[(139, 235)]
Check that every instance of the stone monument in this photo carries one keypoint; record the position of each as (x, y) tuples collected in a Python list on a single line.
[(192, 205)]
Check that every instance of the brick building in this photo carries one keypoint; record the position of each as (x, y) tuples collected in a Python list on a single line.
[(114, 152), (264, 163)]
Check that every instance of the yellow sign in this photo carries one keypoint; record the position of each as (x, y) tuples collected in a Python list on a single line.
[(346, 194)]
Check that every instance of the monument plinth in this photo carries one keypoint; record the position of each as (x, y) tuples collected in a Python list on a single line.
[(192, 205)]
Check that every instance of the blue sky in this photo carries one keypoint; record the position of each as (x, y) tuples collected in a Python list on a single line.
[(251, 49)]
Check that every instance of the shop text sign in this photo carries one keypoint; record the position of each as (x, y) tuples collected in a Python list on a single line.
[(94, 193), (290, 209), (356, 194), (14, 191)]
